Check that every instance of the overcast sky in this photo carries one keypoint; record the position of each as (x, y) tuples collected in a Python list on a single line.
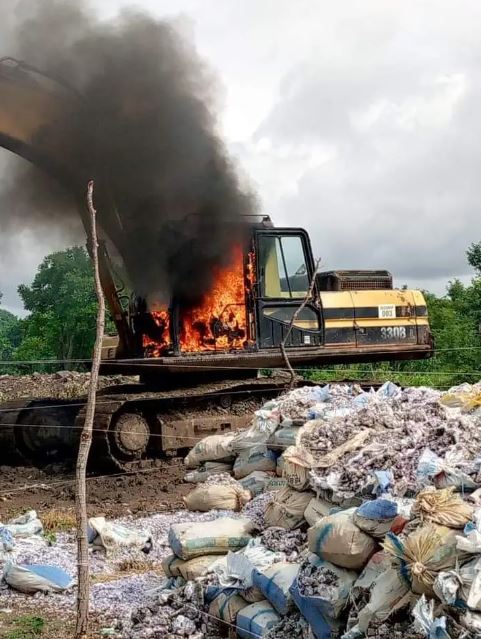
[(358, 120)]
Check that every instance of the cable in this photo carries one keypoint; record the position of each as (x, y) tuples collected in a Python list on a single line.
[(71, 481), (100, 430), (210, 352), (251, 391)]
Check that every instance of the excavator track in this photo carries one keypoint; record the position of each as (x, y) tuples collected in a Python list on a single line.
[(135, 427)]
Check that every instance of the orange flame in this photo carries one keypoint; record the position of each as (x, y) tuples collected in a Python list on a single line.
[(155, 348), (220, 320)]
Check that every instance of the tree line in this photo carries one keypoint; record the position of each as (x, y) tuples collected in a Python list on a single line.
[(61, 311)]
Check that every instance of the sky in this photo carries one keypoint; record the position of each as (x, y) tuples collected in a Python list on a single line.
[(357, 120)]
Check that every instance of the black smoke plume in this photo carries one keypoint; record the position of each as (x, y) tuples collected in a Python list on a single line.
[(144, 127)]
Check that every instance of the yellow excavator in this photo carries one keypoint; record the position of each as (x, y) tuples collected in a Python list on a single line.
[(198, 367)]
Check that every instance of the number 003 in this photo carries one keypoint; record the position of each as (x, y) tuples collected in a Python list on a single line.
[(393, 332)]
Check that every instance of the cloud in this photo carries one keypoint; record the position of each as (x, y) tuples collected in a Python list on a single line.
[(357, 120), (378, 150)]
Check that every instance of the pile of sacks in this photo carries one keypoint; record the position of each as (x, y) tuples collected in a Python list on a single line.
[(363, 519)]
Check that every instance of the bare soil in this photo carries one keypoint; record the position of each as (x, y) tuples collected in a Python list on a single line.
[(153, 491)]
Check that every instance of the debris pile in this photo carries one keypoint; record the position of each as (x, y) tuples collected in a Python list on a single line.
[(374, 509), (60, 385), (351, 514)]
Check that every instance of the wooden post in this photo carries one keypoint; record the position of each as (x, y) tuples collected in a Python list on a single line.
[(83, 575), (291, 324)]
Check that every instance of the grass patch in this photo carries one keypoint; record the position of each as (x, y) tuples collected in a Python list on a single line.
[(127, 567), (58, 521), (135, 565), (26, 627)]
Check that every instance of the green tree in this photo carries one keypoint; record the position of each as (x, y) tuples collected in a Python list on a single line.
[(474, 257), (62, 305), (10, 335)]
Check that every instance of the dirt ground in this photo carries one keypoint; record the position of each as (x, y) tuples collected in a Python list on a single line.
[(153, 491), (51, 492)]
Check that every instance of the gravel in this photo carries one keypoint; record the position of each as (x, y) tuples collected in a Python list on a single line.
[(112, 593), (222, 479), (61, 385), (172, 613), (290, 542), (256, 508), (403, 427), (291, 627), (318, 581)]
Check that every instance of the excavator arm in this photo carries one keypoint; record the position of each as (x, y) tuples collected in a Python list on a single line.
[(35, 114)]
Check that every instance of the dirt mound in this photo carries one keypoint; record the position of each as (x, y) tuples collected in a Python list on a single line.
[(61, 385)]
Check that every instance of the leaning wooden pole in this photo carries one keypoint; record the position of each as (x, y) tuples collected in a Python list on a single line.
[(307, 298), (83, 576)]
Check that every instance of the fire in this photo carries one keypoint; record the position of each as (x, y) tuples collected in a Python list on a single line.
[(218, 323), (155, 347)]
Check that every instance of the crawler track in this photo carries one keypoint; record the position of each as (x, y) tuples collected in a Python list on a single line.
[(134, 427)]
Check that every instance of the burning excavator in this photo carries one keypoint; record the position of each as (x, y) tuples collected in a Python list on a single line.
[(197, 362)]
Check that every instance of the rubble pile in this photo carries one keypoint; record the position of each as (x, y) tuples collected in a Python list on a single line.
[(374, 508), (256, 508), (353, 514), (290, 542), (291, 627), (60, 385), (318, 581)]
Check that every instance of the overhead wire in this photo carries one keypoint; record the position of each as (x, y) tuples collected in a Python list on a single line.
[(195, 365)]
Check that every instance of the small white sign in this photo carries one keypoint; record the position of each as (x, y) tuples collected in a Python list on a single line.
[(307, 339), (387, 311)]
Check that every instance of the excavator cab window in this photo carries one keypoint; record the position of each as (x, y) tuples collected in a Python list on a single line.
[(283, 267)]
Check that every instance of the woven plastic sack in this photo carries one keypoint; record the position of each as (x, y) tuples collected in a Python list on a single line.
[(443, 507), (25, 525), (317, 509), (425, 622), (279, 466), (170, 565), (188, 570), (256, 482), (322, 611), (389, 593), (285, 437), (274, 583), (110, 535), (193, 539), (252, 459), (265, 422), (297, 466), (255, 621), (275, 483), (470, 542), (214, 447), (36, 578), (226, 606), (206, 470), (379, 563), (375, 517), (423, 555), (287, 508), (443, 472), (217, 497), (337, 539)]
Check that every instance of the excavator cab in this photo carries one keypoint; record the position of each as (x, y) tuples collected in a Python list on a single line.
[(285, 268)]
